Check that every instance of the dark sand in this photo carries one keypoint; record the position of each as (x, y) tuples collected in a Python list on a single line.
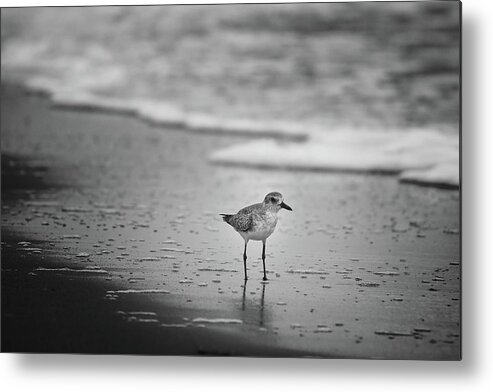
[(364, 267)]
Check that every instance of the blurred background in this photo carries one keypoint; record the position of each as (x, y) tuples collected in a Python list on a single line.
[(372, 65)]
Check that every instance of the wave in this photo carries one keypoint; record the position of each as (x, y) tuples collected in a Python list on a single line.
[(419, 156), (161, 113), (292, 92), (426, 157)]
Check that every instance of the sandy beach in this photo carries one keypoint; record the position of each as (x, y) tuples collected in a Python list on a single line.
[(112, 242)]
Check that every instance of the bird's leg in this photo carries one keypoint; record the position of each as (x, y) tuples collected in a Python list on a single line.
[(263, 259), (245, 259), (244, 296)]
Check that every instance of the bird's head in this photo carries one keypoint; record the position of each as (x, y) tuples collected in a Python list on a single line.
[(275, 200)]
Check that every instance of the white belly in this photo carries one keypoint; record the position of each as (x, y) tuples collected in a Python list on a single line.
[(260, 235), (262, 227)]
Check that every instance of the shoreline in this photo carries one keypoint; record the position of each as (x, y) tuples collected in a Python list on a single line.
[(420, 167), (130, 193)]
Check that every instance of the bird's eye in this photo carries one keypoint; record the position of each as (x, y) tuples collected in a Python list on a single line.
[(273, 199)]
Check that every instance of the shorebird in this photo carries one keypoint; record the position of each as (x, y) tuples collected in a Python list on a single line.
[(257, 222)]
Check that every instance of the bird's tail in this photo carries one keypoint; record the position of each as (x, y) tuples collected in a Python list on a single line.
[(226, 217)]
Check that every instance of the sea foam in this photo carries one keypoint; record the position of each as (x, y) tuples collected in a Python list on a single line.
[(420, 156), (159, 112), (415, 155)]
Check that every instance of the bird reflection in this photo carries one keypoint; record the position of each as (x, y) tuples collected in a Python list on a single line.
[(262, 301), (250, 308), (244, 296)]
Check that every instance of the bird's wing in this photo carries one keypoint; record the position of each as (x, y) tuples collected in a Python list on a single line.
[(248, 210), (241, 221)]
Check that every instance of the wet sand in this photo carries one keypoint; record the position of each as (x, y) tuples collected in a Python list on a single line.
[(128, 254)]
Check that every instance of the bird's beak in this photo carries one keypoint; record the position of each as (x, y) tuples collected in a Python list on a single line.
[(284, 205)]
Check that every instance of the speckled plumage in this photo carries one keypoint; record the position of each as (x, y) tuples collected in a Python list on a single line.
[(257, 221)]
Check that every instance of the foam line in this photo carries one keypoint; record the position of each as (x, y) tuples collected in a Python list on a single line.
[(416, 155)]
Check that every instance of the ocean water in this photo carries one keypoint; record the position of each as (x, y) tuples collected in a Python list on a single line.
[(360, 87)]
